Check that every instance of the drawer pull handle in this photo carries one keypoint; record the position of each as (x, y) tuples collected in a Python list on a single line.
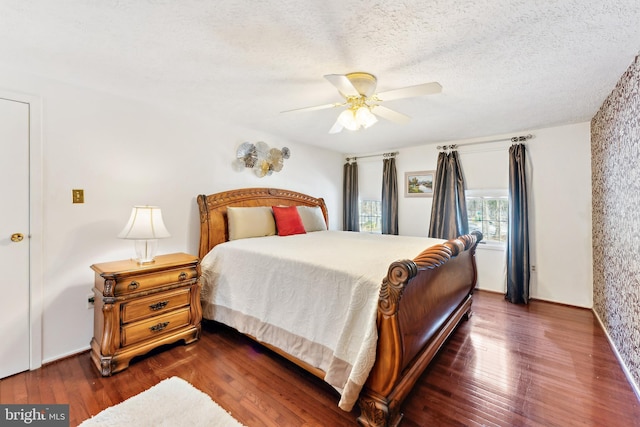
[(158, 306), (133, 285), (159, 327), (182, 276)]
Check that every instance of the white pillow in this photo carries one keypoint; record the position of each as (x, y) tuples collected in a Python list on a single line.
[(312, 218), (250, 222)]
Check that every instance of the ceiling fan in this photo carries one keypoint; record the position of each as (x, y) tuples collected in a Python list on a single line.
[(363, 103)]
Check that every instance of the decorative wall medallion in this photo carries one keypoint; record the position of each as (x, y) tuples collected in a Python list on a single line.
[(259, 157)]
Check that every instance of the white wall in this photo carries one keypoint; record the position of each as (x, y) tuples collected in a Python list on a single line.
[(561, 218), (560, 206), (122, 153)]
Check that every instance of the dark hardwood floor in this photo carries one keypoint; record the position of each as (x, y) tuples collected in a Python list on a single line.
[(538, 365)]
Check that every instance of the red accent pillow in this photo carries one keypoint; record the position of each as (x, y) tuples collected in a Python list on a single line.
[(288, 220)]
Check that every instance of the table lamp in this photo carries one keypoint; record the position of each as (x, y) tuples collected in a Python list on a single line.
[(145, 226)]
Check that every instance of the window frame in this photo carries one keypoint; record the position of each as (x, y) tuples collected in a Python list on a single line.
[(490, 194), (361, 216)]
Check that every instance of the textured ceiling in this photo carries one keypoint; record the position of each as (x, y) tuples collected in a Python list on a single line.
[(505, 66)]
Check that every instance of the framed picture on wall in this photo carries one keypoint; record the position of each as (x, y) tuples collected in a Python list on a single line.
[(419, 184)]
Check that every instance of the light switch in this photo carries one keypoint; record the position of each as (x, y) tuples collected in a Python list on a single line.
[(78, 196)]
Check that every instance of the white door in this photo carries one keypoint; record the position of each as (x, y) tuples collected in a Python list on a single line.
[(14, 240)]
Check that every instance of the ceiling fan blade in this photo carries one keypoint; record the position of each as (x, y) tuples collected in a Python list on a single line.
[(343, 84), (336, 128), (410, 91), (317, 107), (392, 116)]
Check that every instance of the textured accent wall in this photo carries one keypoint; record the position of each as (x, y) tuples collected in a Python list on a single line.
[(615, 164)]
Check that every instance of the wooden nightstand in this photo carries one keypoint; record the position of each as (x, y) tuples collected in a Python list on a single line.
[(140, 307)]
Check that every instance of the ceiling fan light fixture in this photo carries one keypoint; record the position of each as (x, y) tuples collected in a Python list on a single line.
[(357, 117), (365, 118), (348, 120), (363, 102)]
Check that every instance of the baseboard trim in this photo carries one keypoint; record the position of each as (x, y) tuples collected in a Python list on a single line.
[(65, 355), (532, 298), (626, 371)]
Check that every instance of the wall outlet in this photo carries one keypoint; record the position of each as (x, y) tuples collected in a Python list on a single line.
[(90, 301)]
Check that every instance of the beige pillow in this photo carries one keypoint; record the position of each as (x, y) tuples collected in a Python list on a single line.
[(312, 218), (250, 222)]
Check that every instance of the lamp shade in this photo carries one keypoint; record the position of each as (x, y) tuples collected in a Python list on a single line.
[(365, 118), (348, 120), (145, 223)]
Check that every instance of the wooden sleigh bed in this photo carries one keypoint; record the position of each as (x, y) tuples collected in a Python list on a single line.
[(420, 302)]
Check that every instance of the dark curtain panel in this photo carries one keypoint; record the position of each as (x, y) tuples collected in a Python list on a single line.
[(350, 217), (389, 196), (518, 240), (449, 210)]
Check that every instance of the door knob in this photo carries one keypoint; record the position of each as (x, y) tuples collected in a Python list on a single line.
[(17, 237)]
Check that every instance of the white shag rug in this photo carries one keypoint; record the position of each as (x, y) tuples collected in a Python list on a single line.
[(171, 402)]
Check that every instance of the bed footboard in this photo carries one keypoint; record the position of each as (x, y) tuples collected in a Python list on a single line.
[(421, 303)]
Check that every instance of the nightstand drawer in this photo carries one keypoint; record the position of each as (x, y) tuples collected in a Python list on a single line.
[(153, 327), (156, 304), (127, 285)]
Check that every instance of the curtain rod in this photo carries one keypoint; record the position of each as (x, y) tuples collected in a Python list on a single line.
[(514, 139), (395, 153)]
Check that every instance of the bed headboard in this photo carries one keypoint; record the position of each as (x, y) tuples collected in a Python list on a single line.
[(213, 210)]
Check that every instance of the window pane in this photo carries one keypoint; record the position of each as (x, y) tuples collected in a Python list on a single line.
[(503, 231), (489, 215), (504, 209), (474, 209), (475, 226), (370, 216)]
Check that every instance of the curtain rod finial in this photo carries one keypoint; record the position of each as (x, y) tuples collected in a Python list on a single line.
[(521, 138)]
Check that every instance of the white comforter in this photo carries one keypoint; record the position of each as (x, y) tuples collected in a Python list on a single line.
[(313, 295)]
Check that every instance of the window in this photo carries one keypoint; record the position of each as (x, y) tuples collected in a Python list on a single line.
[(371, 216), (488, 214)]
